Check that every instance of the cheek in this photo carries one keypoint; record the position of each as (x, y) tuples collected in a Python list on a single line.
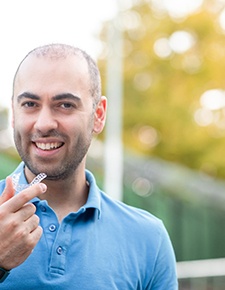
[(20, 125)]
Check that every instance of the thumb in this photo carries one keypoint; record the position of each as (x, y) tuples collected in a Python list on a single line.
[(8, 191)]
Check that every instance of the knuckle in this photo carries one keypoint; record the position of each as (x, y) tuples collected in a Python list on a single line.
[(8, 226), (30, 207), (37, 219), (39, 232), (35, 237), (12, 225), (3, 214), (20, 234), (30, 243), (34, 221)]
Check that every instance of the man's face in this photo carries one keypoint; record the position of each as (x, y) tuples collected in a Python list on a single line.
[(53, 115)]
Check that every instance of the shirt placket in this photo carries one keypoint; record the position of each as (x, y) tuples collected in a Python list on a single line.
[(60, 248), (57, 237)]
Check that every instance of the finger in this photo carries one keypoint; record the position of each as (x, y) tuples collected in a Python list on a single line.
[(8, 191), (32, 223), (19, 200), (35, 236), (26, 212)]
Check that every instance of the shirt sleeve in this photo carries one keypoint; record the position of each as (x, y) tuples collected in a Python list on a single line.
[(165, 274)]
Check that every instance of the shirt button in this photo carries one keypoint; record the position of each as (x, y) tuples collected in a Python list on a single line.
[(59, 250), (52, 228), (43, 208)]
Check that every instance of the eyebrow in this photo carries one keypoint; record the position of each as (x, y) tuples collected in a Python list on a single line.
[(27, 95), (64, 96)]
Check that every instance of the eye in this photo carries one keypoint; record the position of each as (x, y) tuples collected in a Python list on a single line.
[(67, 105), (29, 104)]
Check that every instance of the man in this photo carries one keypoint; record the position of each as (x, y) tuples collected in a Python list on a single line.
[(65, 233)]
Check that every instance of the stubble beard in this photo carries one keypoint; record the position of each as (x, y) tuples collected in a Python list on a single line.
[(60, 171)]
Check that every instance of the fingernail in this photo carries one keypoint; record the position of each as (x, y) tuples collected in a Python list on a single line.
[(43, 187)]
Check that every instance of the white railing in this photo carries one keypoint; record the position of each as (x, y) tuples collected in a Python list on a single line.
[(201, 268)]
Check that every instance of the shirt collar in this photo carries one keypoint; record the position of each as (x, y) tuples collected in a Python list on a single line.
[(94, 195)]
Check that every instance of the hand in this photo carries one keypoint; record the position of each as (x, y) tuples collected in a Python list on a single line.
[(19, 226)]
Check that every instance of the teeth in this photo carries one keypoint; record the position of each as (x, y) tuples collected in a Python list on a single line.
[(48, 146)]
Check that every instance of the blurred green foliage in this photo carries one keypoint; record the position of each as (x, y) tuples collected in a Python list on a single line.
[(162, 94), (3, 118), (8, 162)]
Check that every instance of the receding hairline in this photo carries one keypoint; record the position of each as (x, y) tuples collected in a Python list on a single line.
[(56, 51), (60, 51)]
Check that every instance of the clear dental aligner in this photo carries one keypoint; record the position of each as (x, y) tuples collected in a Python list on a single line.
[(18, 187)]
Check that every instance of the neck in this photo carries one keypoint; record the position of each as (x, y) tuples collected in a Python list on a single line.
[(68, 195)]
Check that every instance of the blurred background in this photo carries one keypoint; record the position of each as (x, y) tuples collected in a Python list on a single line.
[(163, 65)]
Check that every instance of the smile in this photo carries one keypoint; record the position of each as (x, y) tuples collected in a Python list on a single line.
[(49, 146)]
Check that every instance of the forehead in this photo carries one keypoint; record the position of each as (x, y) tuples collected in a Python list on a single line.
[(44, 72)]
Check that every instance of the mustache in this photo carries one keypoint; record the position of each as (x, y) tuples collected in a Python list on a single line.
[(50, 133)]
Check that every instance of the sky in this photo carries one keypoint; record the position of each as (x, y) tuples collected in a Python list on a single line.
[(25, 24)]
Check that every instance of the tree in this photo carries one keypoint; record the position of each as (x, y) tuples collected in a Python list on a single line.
[(169, 63), (3, 118)]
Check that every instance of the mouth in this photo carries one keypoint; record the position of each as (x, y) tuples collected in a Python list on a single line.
[(48, 146)]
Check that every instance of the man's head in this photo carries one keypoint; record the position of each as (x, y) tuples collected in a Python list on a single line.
[(57, 106)]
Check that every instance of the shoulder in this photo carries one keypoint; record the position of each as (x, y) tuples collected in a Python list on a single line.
[(123, 218), (133, 217), (146, 240), (127, 210), (146, 237)]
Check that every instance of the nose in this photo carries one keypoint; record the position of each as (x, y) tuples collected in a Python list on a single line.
[(45, 121)]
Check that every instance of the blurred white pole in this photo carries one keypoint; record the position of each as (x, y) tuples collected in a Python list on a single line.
[(113, 159), (201, 268)]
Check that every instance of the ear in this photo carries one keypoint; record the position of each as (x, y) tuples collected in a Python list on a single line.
[(100, 115)]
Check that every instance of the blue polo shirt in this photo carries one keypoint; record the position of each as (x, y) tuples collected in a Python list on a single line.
[(105, 245)]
